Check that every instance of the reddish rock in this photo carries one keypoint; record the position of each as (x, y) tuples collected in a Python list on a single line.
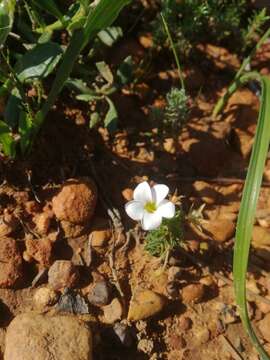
[(76, 201), (193, 293), (10, 263), (220, 230), (8, 224), (42, 222), (39, 250), (72, 230)]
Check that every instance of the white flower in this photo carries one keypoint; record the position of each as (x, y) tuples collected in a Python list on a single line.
[(150, 206)]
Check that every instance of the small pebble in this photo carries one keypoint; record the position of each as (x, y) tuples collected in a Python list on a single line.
[(193, 293), (113, 311), (99, 294), (45, 297), (146, 346), (177, 342), (62, 274), (185, 323), (144, 304)]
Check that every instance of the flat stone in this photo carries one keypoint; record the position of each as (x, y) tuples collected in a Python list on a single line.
[(144, 304), (113, 311), (43, 337)]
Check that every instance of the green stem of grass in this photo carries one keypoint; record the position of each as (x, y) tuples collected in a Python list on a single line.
[(247, 212), (223, 100), (166, 27)]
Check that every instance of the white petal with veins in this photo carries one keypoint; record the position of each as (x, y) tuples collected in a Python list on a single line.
[(135, 210), (159, 192), (151, 221), (166, 209), (143, 193)]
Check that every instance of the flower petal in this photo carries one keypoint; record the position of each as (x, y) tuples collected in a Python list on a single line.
[(166, 209), (159, 192), (143, 193), (135, 210), (151, 221)]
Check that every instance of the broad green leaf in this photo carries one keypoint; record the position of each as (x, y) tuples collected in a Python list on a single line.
[(110, 35), (7, 141), (7, 8), (105, 71), (13, 109), (247, 211), (39, 62), (110, 121), (25, 131)]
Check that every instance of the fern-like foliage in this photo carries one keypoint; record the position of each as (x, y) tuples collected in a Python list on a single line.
[(255, 26), (176, 111), (168, 236)]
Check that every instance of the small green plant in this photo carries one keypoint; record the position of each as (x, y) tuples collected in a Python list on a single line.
[(168, 236), (98, 93), (35, 56), (223, 19), (176, 110)]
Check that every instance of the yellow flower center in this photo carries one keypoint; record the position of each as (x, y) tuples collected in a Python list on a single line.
[(150, 207)]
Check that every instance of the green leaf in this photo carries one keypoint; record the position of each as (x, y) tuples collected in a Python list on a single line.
[(39, 62), (13, 109), (7, 8), (101, 17), (77, 85), (105, 71), (247, 211), (110, 35), (94, 120), (110, 121), (7, 141), (25, 131), (124, 71), (50, 6), (88, 97)]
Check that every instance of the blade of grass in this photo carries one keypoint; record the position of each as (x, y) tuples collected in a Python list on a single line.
[(223, 100), (166, 27), (247, 212)]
